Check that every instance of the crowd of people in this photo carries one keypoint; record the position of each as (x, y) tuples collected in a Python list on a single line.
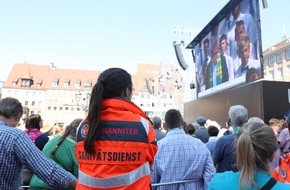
[(118, 147)]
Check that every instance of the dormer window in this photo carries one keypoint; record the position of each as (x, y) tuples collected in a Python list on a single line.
[(77, 84), (88, 85), (26, 82), (66, 83), (54, 83)]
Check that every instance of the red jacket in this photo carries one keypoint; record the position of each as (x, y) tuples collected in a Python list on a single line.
[(125, 149)]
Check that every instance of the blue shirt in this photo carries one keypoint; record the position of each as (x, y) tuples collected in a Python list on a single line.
[(181, 157), (230, 180), (16, 150), (224, 155)]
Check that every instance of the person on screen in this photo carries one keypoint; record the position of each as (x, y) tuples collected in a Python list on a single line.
[(225, 29), (239, 36), (200, 58), (228, 59), (205, 62), (250, 26), (213, 38), (247, 62), (216, 72)]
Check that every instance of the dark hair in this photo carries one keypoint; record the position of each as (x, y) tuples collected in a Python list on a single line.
[(10, 107), (71, 129), (32, 122), (190, 129), (173, 118), (111, 83), (213, 131), (223, 37), (156, 122)]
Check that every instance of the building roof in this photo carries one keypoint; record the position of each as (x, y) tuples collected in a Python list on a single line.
[(277, 46), (42, 77)]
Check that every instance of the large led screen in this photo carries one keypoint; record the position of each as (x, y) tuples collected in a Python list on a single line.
[(227, 52)]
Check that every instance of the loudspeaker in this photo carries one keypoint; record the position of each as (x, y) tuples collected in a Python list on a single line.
[(179, 56), (192, 86)]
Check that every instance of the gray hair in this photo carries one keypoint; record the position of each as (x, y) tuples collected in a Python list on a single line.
[(10, 107), (238, 115), (156, 122), (256, 119)]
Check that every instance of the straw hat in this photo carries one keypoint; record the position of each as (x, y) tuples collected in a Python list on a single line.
[(47, 126)]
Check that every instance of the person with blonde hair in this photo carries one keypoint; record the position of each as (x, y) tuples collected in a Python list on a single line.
[(256, 147)]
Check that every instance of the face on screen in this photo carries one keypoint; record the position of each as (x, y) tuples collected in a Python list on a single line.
[(246, 53)]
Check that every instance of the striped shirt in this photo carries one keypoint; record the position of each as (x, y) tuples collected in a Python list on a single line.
[(16, 150)]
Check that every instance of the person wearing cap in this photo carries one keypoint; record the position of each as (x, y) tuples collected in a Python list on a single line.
[(16, 150), (202, 133)]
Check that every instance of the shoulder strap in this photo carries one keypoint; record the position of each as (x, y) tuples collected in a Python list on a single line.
[(271, 183)]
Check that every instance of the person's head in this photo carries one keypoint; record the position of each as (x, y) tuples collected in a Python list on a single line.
[(156, 122), (239, 31), (10, 111), (173, 119), (252, 75), (236, 12), (190, 129), (256, 119), (245, 47), (275, 124), (256, 146), (238, 115), (111, 83), (212, 131), (223, 44), (69, 131), (34, 121), (201, 120)]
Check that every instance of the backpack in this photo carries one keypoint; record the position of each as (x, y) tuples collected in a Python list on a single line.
[(282, 172)]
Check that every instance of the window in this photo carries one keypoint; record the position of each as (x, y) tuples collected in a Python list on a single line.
[(14, 84), (39, 103), (60, 108), (288, 53), (77, 84), (272, 75), (66, 83), (280, 72), (26, 103), (33, 103), (26, 93), (38, 85), (54, 83), (271, 60), (54, 108), (33, 93), (32, 112), (66, 108), (26, 82), (88, 86), (49, 108), (280, 57), (148, 96), (288, 69)]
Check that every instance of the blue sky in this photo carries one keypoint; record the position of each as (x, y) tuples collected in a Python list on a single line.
[(97, 34)]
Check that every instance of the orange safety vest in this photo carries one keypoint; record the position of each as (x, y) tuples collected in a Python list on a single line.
[(125, 149), (282, 172)]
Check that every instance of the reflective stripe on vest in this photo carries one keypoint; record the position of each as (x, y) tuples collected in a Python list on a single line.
[(116, 181), (145, 124)]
